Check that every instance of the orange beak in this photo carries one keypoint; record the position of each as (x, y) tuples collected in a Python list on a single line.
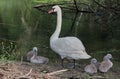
[(51, 11)]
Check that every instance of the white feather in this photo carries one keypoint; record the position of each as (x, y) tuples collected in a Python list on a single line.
[(69, 47)]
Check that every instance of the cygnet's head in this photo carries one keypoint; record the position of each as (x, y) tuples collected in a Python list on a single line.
[(108, 56), (55, 8), (35, 49), (93, 61)]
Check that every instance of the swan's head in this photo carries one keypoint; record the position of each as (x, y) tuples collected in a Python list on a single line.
[(35, 49), (55, 8)]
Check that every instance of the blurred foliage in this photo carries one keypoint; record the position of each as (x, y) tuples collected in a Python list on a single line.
[(28, 27), (49, 1), (8, 50)]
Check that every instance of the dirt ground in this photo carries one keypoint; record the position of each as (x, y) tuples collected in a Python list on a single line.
[(26, 70)]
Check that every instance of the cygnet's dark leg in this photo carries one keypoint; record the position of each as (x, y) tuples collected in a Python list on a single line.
[(74, 63), (62, 62)]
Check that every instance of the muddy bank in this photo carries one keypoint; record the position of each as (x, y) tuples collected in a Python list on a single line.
[(26, 70)]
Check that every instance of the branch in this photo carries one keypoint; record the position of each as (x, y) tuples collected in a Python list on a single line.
[(57, 72), (118, 2), (110, 9), (28, 72), (85, 11), (49, 75), (99, 4), (46, 5), (76, 5), (41, 5), (25, 76), (65, 8)]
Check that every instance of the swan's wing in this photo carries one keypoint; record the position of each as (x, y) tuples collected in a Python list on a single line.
[(69, 44)]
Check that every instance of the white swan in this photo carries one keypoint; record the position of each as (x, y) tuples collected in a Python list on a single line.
[(38, 59), (66, 47)]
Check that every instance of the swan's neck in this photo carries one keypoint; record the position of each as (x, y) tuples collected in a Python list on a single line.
[(55, 35)]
